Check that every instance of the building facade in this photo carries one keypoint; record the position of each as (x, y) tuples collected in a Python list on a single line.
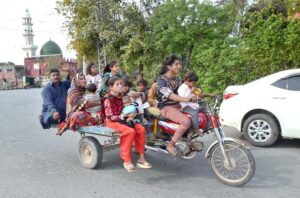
[(11, 75), (51, 55)]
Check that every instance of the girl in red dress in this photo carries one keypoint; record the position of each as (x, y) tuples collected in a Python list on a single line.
[(113, 106)]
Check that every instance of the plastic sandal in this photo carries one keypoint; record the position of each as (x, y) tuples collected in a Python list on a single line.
[(173, 151), (143, 165), (129, 167)]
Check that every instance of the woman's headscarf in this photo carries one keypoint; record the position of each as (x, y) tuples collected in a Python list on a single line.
[(76, 78), (75, 98)]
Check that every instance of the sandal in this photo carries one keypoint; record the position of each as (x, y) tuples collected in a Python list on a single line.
[(173, 150), (143, 165), (129, 167)]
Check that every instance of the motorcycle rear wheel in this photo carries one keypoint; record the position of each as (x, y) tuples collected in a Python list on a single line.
[(242, 166)]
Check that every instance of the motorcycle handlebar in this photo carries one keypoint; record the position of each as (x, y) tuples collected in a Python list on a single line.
[(216, 99)]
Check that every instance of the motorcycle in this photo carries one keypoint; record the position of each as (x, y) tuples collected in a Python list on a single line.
[(230, 159)]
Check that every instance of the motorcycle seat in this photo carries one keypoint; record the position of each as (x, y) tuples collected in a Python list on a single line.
[(160, 117)]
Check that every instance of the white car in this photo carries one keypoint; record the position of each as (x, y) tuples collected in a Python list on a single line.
[(264, 109)]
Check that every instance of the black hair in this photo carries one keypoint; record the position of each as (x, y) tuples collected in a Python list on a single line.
[(125, 98), (89, 68), (127, 82), (111, 81), (54, 71), (168, 61), (190, 76), (108, 67), (92, 88), (143, 82)]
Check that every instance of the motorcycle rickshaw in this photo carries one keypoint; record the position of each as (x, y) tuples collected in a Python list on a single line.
[(230, 159)]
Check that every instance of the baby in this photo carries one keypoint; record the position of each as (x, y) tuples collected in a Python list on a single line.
[(129, 111), (93, 97), (135, 97)]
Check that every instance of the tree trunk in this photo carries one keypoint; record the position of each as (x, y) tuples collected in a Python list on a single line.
[(188, 57)]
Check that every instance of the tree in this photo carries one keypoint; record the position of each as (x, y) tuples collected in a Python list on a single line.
[(225, 43), (81, 24), (271, 42), (179, 26), (115, 25)]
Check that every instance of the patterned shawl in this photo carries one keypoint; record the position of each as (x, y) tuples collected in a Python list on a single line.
[(75, 98)]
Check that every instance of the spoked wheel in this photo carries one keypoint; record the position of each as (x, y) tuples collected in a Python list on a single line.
[(90, 152), (241, 168)]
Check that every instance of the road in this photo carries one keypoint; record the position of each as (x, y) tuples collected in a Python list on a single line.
[(36, 163)]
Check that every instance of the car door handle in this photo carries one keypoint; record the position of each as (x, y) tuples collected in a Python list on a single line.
[(280, 98)]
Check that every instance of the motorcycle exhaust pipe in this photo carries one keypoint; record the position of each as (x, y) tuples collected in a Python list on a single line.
[(156, 149), (191, 155)]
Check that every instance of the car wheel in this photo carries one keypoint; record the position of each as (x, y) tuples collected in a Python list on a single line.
[(261, 130)]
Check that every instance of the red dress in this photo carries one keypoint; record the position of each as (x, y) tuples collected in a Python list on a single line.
[(112, 108)]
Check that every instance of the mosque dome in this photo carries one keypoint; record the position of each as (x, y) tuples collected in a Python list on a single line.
[(50, 48)]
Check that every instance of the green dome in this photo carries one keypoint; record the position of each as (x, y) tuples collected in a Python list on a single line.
[(50, 48)]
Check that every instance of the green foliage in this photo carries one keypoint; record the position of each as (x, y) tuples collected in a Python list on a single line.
[(225, 43), (271, 43)]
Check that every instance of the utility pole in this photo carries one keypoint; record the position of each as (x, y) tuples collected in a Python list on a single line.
[(100, 43)]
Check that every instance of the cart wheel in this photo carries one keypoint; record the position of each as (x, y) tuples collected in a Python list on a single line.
[(90, 152)]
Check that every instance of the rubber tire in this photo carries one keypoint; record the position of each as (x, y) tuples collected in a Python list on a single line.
[(251, 161), (97, 152), (274, 129)]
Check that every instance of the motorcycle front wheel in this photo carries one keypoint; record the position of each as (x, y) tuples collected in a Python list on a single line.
[(241, 168)]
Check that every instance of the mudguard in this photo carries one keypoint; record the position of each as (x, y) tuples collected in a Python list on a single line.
[(247, 146)]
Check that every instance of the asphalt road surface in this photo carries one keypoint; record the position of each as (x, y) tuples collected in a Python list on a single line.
[(36, 163)]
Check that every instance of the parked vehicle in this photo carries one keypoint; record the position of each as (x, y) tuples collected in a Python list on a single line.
[(230, 160), (265, 109)]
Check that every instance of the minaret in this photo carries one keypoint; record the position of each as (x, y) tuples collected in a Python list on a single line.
[(28, 48)]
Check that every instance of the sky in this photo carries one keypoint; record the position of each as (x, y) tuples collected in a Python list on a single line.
[(46, 24)]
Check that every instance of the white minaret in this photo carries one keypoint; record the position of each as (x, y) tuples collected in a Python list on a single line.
[(28, 48)]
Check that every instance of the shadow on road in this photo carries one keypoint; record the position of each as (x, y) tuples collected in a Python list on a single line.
[(287, 143)]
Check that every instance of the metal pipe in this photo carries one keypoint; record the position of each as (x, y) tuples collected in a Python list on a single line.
[(156, 149), (110, 147)]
